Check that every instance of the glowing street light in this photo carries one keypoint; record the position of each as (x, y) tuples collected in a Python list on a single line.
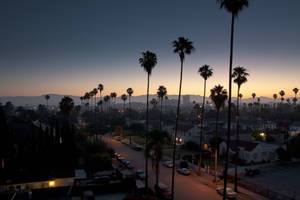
[(51, 183)]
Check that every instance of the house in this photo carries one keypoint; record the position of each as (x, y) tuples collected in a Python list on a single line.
[(251, 152), (294, 128), (185, 132)]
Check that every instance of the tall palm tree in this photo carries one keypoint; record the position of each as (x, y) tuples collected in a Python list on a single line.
[(124, 98), (282, 93), (233, 7), (295, 90), (240, 77), (157, 139), (147, 62), (161, 93), (218, 95), (205, 72), (129, 92), (95, 91), (253, 97), (183, 47), (47, 97), (81, 99), (113, 96), (106, 100), (288, 101), (275, 97), (100, 88)]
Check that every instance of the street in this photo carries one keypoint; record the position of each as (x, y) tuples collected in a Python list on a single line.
[(186, 187)]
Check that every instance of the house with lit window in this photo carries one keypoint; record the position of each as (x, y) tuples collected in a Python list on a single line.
[(251, 152)]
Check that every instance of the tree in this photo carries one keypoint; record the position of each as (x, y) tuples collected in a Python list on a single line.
[(153, 103), (218, 95), (233, 7), (66, 105), (106, 100), (157, 139), (129, 92), (113, 96), (100, 88), (282, 93), (274, 97), (181, 46), (253, 97), (124, 98), (161, 93), (295, 90), (147, 62), (205, 72), (47, 97), (95, 91), (240, 77)]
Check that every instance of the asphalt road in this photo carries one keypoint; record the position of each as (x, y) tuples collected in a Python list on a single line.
[(186, 187)]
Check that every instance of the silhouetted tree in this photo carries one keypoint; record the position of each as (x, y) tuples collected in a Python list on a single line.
[(181, 46), (161, 93), (233, 7), (147, 62), (218, 95), (240, 77), (47, 97), (124, 98), (100, 88), (205, 72)]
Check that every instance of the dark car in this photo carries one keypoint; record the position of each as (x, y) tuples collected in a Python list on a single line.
[(100, 180), (162, 191)]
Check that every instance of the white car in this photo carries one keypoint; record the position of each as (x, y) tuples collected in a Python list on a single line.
[(184, 171), (168, 163), (229, 192)]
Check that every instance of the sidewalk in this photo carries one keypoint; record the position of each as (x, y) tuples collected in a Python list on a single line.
[(243, 194)]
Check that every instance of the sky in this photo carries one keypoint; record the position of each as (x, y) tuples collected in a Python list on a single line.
[(70, 46)]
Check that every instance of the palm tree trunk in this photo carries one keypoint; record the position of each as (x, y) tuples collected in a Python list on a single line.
[(229, 108), (129, 116), (157, 171), (147, 130), (102, 102), (237, 142), (176, 127), (201, 129), (160, 116), (217, 147)]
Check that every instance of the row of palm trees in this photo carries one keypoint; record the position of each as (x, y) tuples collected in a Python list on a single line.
[(183, 47)]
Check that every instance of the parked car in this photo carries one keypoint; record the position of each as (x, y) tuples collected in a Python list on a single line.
[(168, 163), (252, 172), (128, 164), (140, 174), (162, 191), (99, 180), (184, 171), (229, 192), (118, 138), (138, 147), (122, 159)]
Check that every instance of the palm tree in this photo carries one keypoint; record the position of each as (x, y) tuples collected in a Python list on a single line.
[(66, 105), (205, 72), (240, 77), (161, 93), (106, 100), (95, 91), (100, 88), (154, 103), (233, 7), (81, 99), (281, 93), (181, 46), (129, 92), (87, 97), (113, 96), (295, 90), (275, 97), (100, 103), (253, 97), (288, 101), (157, 139), (218, 95), (147, 62), (47, 97), (124, 98)]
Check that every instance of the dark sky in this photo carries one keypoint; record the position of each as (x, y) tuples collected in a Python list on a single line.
[(69, 46)]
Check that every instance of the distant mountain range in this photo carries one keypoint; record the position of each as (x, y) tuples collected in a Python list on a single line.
[(55, 99)]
